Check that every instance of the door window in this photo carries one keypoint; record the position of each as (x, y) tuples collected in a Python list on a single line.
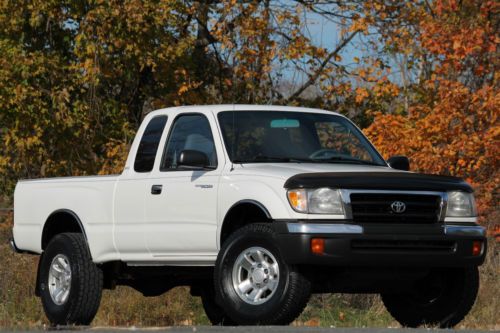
[(189, 132), (145, 158)]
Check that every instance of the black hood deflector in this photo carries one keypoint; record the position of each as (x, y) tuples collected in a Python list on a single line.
[(378, 181)]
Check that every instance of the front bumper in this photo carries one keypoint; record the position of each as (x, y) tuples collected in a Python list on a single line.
[(382, 245)]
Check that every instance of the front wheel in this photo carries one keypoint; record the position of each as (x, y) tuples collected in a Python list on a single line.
[(252, 282), (70, 283), (441, 299), (214, 311)]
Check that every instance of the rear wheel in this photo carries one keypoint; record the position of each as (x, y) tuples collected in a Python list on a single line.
[(442, 299), (70, 283), (252, 282)]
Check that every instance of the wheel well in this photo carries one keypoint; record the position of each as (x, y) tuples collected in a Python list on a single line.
[(241, 214), (59, 222)]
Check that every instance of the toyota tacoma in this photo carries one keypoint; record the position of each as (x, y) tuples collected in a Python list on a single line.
[(254, 208)]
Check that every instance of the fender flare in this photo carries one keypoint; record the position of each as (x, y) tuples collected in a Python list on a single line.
[(250, 201), (75, 217)]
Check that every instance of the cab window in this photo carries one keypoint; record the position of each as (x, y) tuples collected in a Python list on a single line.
[(189, 132), (145, 158)]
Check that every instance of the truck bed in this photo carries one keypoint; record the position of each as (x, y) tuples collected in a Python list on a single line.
[(88, 197)]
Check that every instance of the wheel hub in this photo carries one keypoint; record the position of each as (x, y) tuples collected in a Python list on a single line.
[(255, 275), (258, 275), (59, 279)]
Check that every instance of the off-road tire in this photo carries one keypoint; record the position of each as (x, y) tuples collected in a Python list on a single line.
[(214, 311), (85, 286), (455, 298), (290, 296)]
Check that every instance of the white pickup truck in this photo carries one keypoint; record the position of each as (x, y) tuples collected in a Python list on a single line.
[(254, 208)]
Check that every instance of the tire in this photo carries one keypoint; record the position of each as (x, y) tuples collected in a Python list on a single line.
[(74, 300), (441, 299), (214, 311), (284, 292)]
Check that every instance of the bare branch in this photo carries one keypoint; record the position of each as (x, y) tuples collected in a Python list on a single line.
[(313, 77)]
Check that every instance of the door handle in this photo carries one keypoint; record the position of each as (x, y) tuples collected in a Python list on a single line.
[(156, 189)]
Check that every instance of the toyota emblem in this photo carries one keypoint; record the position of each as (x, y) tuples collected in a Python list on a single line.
[(398, 207)]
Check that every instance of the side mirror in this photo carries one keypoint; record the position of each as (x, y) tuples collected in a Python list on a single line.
[(399, 162), (193, 159)]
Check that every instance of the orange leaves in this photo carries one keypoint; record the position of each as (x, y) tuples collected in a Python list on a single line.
[(461, 31), (458, 135), (361, 94), (384, 87)]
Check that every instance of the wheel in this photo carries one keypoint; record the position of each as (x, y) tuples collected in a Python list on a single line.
[(70, 283), (441, 299), (252, 282), (214, 311)]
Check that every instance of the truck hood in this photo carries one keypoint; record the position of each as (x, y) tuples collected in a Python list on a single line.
[(351, 176), (406, 181)]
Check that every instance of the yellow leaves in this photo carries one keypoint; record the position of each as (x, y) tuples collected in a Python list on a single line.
[(186, 83), (116, 156), (384, 87), (135, 55), (359, 25), (183, 89), (377, 6)]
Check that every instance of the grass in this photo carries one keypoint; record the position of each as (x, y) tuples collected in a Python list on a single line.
[(21, 309)]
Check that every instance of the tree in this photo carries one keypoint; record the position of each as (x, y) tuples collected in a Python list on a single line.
[(452, 125), (77, 77)]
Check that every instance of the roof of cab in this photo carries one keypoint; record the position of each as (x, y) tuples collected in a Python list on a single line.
[(237, 107)]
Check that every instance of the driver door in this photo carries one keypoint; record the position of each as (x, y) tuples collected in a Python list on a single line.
[(181, 220)]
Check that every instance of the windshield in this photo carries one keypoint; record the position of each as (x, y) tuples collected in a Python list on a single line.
[(279, 136)]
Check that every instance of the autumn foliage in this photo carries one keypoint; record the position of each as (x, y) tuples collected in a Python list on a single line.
[(77, 77), (453, 127)]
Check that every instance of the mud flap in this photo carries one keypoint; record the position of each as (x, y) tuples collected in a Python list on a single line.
[(37, 285)]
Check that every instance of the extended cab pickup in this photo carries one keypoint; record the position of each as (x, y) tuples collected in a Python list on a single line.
[(254, 208)]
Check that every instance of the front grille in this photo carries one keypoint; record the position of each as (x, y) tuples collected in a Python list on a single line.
[(429, 246), (376, 208)]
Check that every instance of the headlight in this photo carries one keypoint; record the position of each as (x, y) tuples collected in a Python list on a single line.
[(325, 201), (316, 201), (461, 204)]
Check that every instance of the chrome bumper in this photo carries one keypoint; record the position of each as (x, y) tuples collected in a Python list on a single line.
[(464, 230), (338, 228), (321, 228)]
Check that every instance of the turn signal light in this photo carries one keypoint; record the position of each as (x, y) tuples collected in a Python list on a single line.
[(477, 248), (318, 245), (298, 200)]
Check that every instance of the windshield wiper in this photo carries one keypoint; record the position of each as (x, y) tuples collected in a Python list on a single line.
[(341, 159)]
